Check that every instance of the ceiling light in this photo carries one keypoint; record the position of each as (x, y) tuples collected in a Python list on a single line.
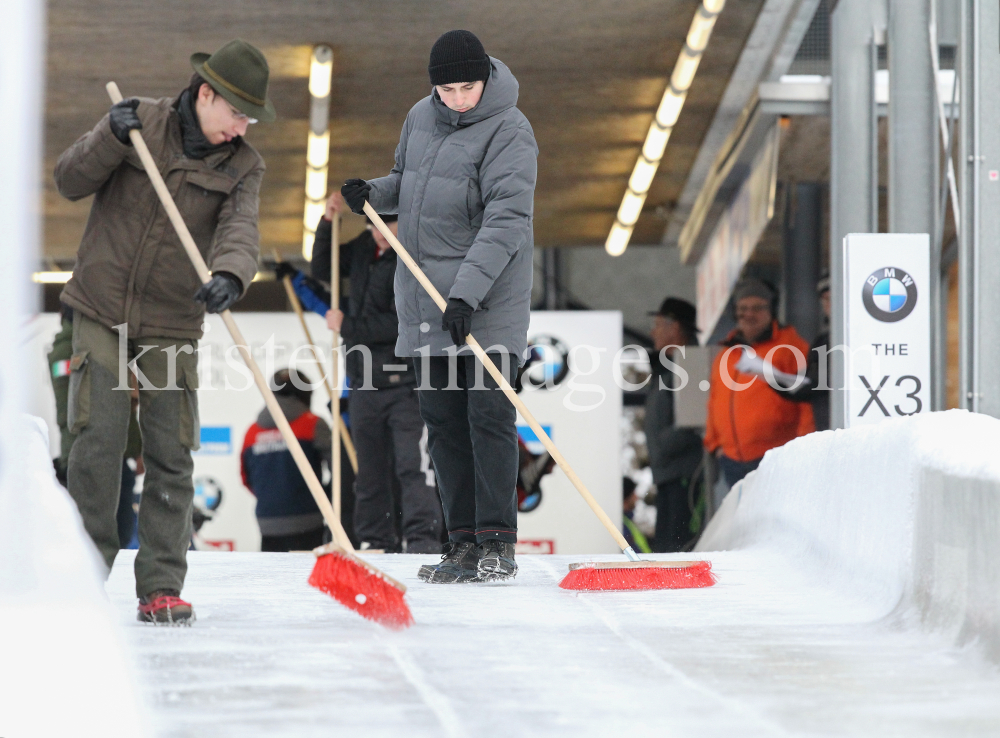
[(618, 239), (701, 29), (670, 108), (321, 71), (656, 142), (51, 277), (659, 131), (318, 144), (318, 149), (642, 176), (684, 71), (630, 208), (314, 211), (316, 183)]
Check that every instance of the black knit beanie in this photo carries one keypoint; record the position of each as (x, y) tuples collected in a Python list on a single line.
[(458, 56)]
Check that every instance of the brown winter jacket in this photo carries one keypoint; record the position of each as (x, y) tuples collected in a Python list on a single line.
[(131, 266)]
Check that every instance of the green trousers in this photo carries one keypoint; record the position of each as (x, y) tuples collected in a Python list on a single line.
[(99, 404)]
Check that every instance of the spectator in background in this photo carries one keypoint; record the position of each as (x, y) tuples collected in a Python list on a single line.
[(630, 530), (288, 516), (674, 453), (746, 418), (809, 390), (386, 427)]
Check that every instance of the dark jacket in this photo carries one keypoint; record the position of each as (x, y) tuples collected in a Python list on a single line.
[(818, 398), (674, 453), (463, 185), (131, 267), (285, 505), (370, 319)]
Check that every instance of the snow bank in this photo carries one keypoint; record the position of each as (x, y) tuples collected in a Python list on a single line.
[(64, 665), (905, 514)]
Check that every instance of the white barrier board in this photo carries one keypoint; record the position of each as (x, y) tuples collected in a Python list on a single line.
[(582, 412), (887, 326)]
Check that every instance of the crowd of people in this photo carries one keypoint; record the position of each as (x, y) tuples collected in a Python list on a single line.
[(440, 468)]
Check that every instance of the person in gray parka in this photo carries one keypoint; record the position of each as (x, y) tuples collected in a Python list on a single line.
[(463, 185)]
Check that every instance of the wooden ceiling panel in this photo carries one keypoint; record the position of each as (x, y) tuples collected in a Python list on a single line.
[(591, 74)]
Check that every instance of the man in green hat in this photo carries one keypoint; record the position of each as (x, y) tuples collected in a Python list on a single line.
[(138, 304)]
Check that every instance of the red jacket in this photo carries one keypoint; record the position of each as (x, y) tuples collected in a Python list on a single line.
[(746, 423)]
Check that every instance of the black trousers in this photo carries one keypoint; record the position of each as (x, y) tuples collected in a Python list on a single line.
[(389, 437), (673, 516), (472, 438), (293, 542)]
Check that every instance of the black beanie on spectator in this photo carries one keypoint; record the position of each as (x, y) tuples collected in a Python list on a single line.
[(458, 56)]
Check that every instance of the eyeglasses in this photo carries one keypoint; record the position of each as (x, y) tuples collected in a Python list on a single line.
[(239, 115), (746, 309)]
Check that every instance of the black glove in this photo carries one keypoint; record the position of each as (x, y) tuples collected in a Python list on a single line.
[(124, 119), (457, 320), (355, 192), (283, 269), (220, 292)]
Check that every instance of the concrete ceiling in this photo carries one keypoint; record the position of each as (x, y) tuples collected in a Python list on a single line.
[(591, 74)]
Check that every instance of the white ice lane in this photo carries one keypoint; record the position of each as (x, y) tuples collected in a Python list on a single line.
[(766, 652)]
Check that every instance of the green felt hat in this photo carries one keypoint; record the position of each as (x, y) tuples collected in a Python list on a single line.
[(238, 72)]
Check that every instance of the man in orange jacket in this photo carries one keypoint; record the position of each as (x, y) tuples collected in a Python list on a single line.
[(746, 418)]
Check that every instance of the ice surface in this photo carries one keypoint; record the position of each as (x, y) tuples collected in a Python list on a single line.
[(768, 651)]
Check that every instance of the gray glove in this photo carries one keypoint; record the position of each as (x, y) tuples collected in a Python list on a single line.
[(220, 292), (123, 119)]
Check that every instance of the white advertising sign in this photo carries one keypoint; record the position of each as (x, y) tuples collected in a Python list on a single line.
[(581, 411), (887, 326)]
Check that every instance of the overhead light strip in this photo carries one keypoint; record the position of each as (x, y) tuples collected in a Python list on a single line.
[(663, 123), (318, 146)]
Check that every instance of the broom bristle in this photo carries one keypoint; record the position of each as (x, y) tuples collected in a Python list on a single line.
[(356, 587), (698, 574)]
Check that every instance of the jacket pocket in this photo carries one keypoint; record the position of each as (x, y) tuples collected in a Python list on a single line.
[(79, 392), (190, 427)]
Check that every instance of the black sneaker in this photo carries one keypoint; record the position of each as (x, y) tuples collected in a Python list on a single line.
[(496, 561), (459, 563)]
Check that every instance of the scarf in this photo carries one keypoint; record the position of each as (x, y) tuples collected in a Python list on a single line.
[(196, 146)]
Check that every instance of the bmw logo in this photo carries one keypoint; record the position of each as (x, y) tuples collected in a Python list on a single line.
[(207, 494), (548, 362), (889, 294)]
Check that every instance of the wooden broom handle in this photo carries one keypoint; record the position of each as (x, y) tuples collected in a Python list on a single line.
[(352, 454), (205, 276), (502, 381)]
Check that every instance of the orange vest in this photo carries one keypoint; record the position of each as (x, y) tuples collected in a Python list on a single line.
[(746, 423)]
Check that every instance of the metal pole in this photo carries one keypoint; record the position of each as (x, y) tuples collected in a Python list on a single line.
[(800, 263), (979, 259), (853, 168), (913, 142)]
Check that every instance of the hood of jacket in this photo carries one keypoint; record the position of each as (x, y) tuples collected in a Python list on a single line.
[(292, 407), (499, 94)]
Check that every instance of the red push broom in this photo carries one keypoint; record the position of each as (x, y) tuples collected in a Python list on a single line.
[(632, 574), (350, 580)]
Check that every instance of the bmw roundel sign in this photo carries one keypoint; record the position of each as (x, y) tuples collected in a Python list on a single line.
[(889, 294)]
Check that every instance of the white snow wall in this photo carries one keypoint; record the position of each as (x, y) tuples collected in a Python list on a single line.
[(905, 514), (63, 668)]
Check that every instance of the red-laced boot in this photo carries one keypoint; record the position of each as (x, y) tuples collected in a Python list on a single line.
[(165, 607)]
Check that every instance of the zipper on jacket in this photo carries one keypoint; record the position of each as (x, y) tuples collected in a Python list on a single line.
[(732, 422)]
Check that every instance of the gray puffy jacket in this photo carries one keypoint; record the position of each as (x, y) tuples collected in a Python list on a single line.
[(463, 186)]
